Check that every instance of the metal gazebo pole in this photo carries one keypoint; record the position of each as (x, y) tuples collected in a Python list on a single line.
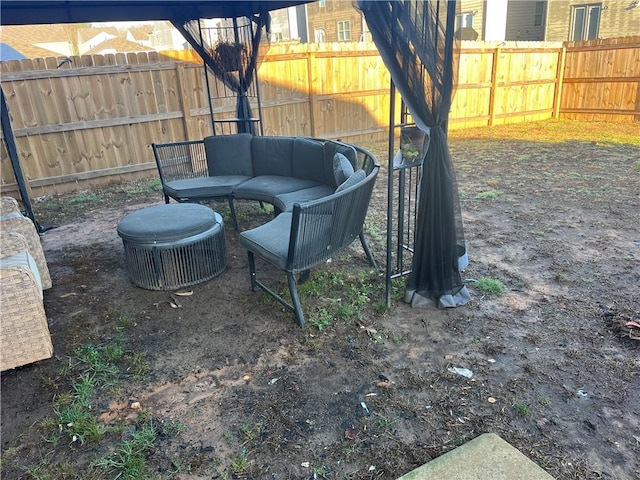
[(10, 141)]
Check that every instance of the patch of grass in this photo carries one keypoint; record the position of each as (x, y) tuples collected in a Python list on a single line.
[(545, 402), (489, 286), (488, 195), (338, 296), (321, 319), (521, 409), (240, 464), (143, 187), (92, 372), (83, 199), (129, 459), (557, 130)]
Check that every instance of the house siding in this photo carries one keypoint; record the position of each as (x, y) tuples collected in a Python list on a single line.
[(327, 18), (521, 21), (616, 19), (476, 7)]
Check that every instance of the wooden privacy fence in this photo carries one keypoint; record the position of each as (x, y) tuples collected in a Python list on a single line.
[(93, 119)]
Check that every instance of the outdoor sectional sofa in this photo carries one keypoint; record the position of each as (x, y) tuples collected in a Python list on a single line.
[(320, 190)]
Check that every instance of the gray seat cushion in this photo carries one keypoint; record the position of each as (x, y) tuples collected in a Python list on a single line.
[(203, 187), (265, 187), (285, 201), (167, 223), (271, 240)]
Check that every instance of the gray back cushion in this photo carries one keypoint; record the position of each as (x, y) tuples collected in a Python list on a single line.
[(330, 150), (229, 154), (352, 180), (272, 156), (342, 168), (307, 160)]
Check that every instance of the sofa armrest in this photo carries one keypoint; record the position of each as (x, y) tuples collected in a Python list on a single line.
[(321, 228), (180, 160)]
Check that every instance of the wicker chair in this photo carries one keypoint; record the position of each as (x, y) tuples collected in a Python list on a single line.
[(12, 220), (24, 332)]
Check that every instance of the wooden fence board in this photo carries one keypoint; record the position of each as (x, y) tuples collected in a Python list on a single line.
[(98, 115)]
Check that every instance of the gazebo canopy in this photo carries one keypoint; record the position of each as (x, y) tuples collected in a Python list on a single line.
[(31, 12)]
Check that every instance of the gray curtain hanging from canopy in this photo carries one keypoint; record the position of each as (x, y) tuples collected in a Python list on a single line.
[(236, 64), (416, 42)]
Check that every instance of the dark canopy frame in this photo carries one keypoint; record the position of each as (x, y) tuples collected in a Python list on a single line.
[(416, 42)]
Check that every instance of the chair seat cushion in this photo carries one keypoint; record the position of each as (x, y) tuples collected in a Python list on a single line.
[(286, 201), (264, 188), (271, 240), (203, 187)]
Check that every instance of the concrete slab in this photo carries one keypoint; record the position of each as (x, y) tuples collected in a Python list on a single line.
[(487, 457)]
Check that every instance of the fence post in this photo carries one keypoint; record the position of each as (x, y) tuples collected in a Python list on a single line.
[(559, 78), (494, 78), (312, 82), (184, 97)]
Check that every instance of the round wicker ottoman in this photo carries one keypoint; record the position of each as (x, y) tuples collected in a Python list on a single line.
[(173, 246)]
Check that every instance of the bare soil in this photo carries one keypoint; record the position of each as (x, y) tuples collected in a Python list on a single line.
[(555, 371)]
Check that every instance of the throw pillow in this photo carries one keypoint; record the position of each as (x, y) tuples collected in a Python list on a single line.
[(352, 180), (342, 168)]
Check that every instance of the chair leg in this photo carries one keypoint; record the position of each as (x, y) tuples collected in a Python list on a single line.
[(304, 276), (234, 219), (367, 250), (166, 199), (252, 271), (293, 290)]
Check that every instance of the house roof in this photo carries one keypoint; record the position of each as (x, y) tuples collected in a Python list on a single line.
[(28, 12), (85, 34), (141, 32), (31, 40), (118, 44)]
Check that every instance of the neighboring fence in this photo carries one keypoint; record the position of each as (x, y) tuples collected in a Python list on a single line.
[(95, 117)]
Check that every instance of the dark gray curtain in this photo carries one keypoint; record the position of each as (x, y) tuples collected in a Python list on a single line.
[(416, 41), (242, 31)]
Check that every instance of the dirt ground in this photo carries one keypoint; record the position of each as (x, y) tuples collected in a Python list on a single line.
[(555, 372)]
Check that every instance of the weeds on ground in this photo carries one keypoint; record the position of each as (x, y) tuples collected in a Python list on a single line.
[(338, 296), (93, 373), (489, 286), (488, 195)]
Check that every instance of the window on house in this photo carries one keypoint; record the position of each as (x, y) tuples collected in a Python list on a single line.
[(539, 16), (464, 20), (585, 22), (344, 31), (276, 37), (321, 3), (318, 35)]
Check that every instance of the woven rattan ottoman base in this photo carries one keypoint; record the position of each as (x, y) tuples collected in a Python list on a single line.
[(173, 246)]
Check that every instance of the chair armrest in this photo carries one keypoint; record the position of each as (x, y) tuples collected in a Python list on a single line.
[(12, 243), (8, 205)]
